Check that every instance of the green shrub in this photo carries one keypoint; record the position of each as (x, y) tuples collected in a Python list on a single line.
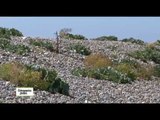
[(81, 49), (59, 86), (107, 38), (133, 40), (47, 75), (132, 63), (50, 76), (15, 32), (80, 72), (46, 45), (156, 43), (107, 73), (4, 33), (126, 69), (151, 54), (4, 43), (18, 49), (135, 70), (7, 33), (157, 71), (30, 76), (78, 37), (145, 72)]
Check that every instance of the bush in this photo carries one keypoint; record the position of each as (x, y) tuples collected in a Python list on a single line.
[(133, 63), (151, 54), (107, 38), (97, 61), (134, 70), (47, 75), (18, 49), (123, 71), (107, 73), (157, 43), (80, 49), (46, 45), (59, 86), (32, 79), (157, 71), (127, 69), (15, 32), (7, 33), (145, 72), (78, 37), (80, 72), (133, 40), (10, 71), (30, 76), (4, 43)]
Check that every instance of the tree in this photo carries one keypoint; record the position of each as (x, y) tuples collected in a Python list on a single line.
[(63, 32)]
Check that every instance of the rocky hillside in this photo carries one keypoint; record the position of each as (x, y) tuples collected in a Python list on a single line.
[(89, 88)]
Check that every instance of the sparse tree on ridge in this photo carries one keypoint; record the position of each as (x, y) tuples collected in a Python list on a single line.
[(63, 32)]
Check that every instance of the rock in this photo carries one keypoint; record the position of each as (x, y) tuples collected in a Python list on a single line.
[(83, 90)]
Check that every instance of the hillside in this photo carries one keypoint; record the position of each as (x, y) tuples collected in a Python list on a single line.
[(86, 89)]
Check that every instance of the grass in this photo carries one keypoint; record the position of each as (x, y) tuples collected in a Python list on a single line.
[(29, 76), (107, 73), (97, 61), (149, 54), (100, 67), (46, 45)]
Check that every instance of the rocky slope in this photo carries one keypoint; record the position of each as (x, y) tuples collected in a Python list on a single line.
[(83, 90)]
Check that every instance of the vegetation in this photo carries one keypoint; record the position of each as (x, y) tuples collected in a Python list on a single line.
[(65, 33), (42, 44), (113, 48), (134, 70), (75, 37), (18, 49), (133, 40), (81, 49), (107, 73), (97, 61), (107, 38), (149, 54), (101, 67), (157, 71), (145, 72), (7, 33), (15, 32), (31, 76), (157, 42)]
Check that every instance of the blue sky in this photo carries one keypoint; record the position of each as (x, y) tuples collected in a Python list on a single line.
[(145, 28)]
